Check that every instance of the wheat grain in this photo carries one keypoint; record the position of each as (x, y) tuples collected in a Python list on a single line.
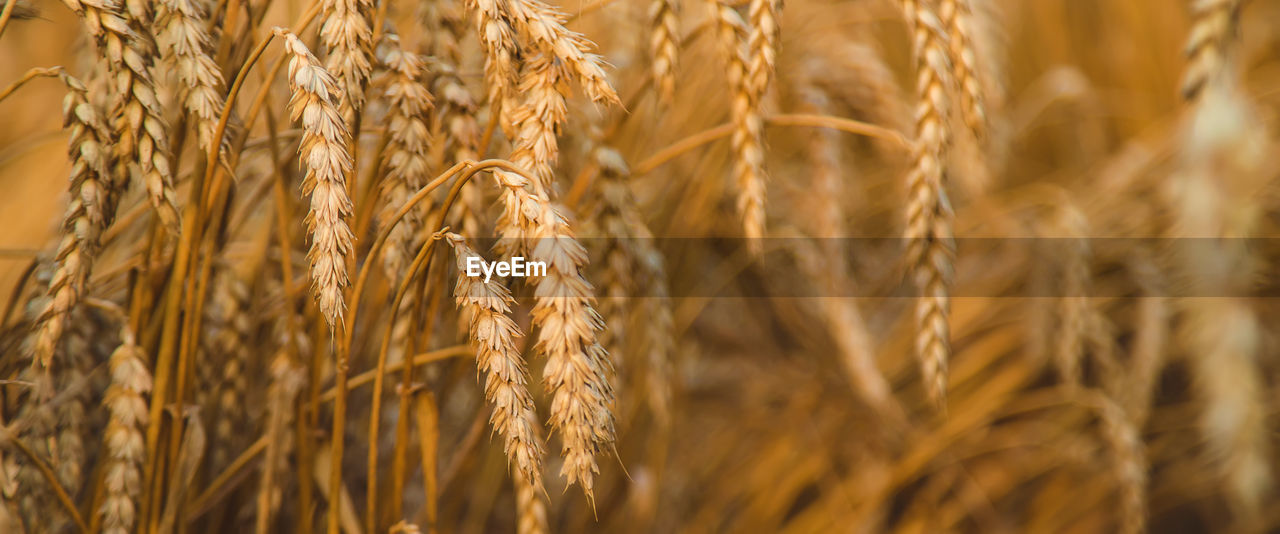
[(227, 350), (1073, 300), (1130, 462), (501, 73), (634, 268), (493, 335), (324, 154)]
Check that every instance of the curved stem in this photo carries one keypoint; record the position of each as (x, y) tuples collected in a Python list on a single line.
[(32, 74), (817, 121), (421, 263), (9, 5)]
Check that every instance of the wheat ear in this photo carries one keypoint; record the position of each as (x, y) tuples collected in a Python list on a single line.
[(928, 230), (348, 44), (406, 159), (578, 369), (957, 15), (91, 208), (139, 122), (664, 34), (531, 511), (324, 154), (635, 267), (501, 73), (1129, 459), (227, 350), (748, 163), (125, 450), (182, 38), (1214, 26), (493, 335), (1224, 151)]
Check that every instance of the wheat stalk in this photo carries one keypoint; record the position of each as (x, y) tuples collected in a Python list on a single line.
[(928, 229), (493, 335), (324, 154)]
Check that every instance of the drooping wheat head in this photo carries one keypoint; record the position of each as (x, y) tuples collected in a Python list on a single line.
[(493, 335), (324, 154)]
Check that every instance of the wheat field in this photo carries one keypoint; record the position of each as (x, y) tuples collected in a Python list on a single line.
[(906, 266)]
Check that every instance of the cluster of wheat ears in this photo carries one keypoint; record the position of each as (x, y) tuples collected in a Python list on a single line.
[(253, 313)]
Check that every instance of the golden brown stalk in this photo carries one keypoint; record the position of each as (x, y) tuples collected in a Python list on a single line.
[(930, 244), (493, 335), (578, 370), (123, 444), (405, 159), (180, 31), (1214, 28), (348, 45), (139, 128), (664, 34), (324, 154), (956, 14), (91, 208)]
